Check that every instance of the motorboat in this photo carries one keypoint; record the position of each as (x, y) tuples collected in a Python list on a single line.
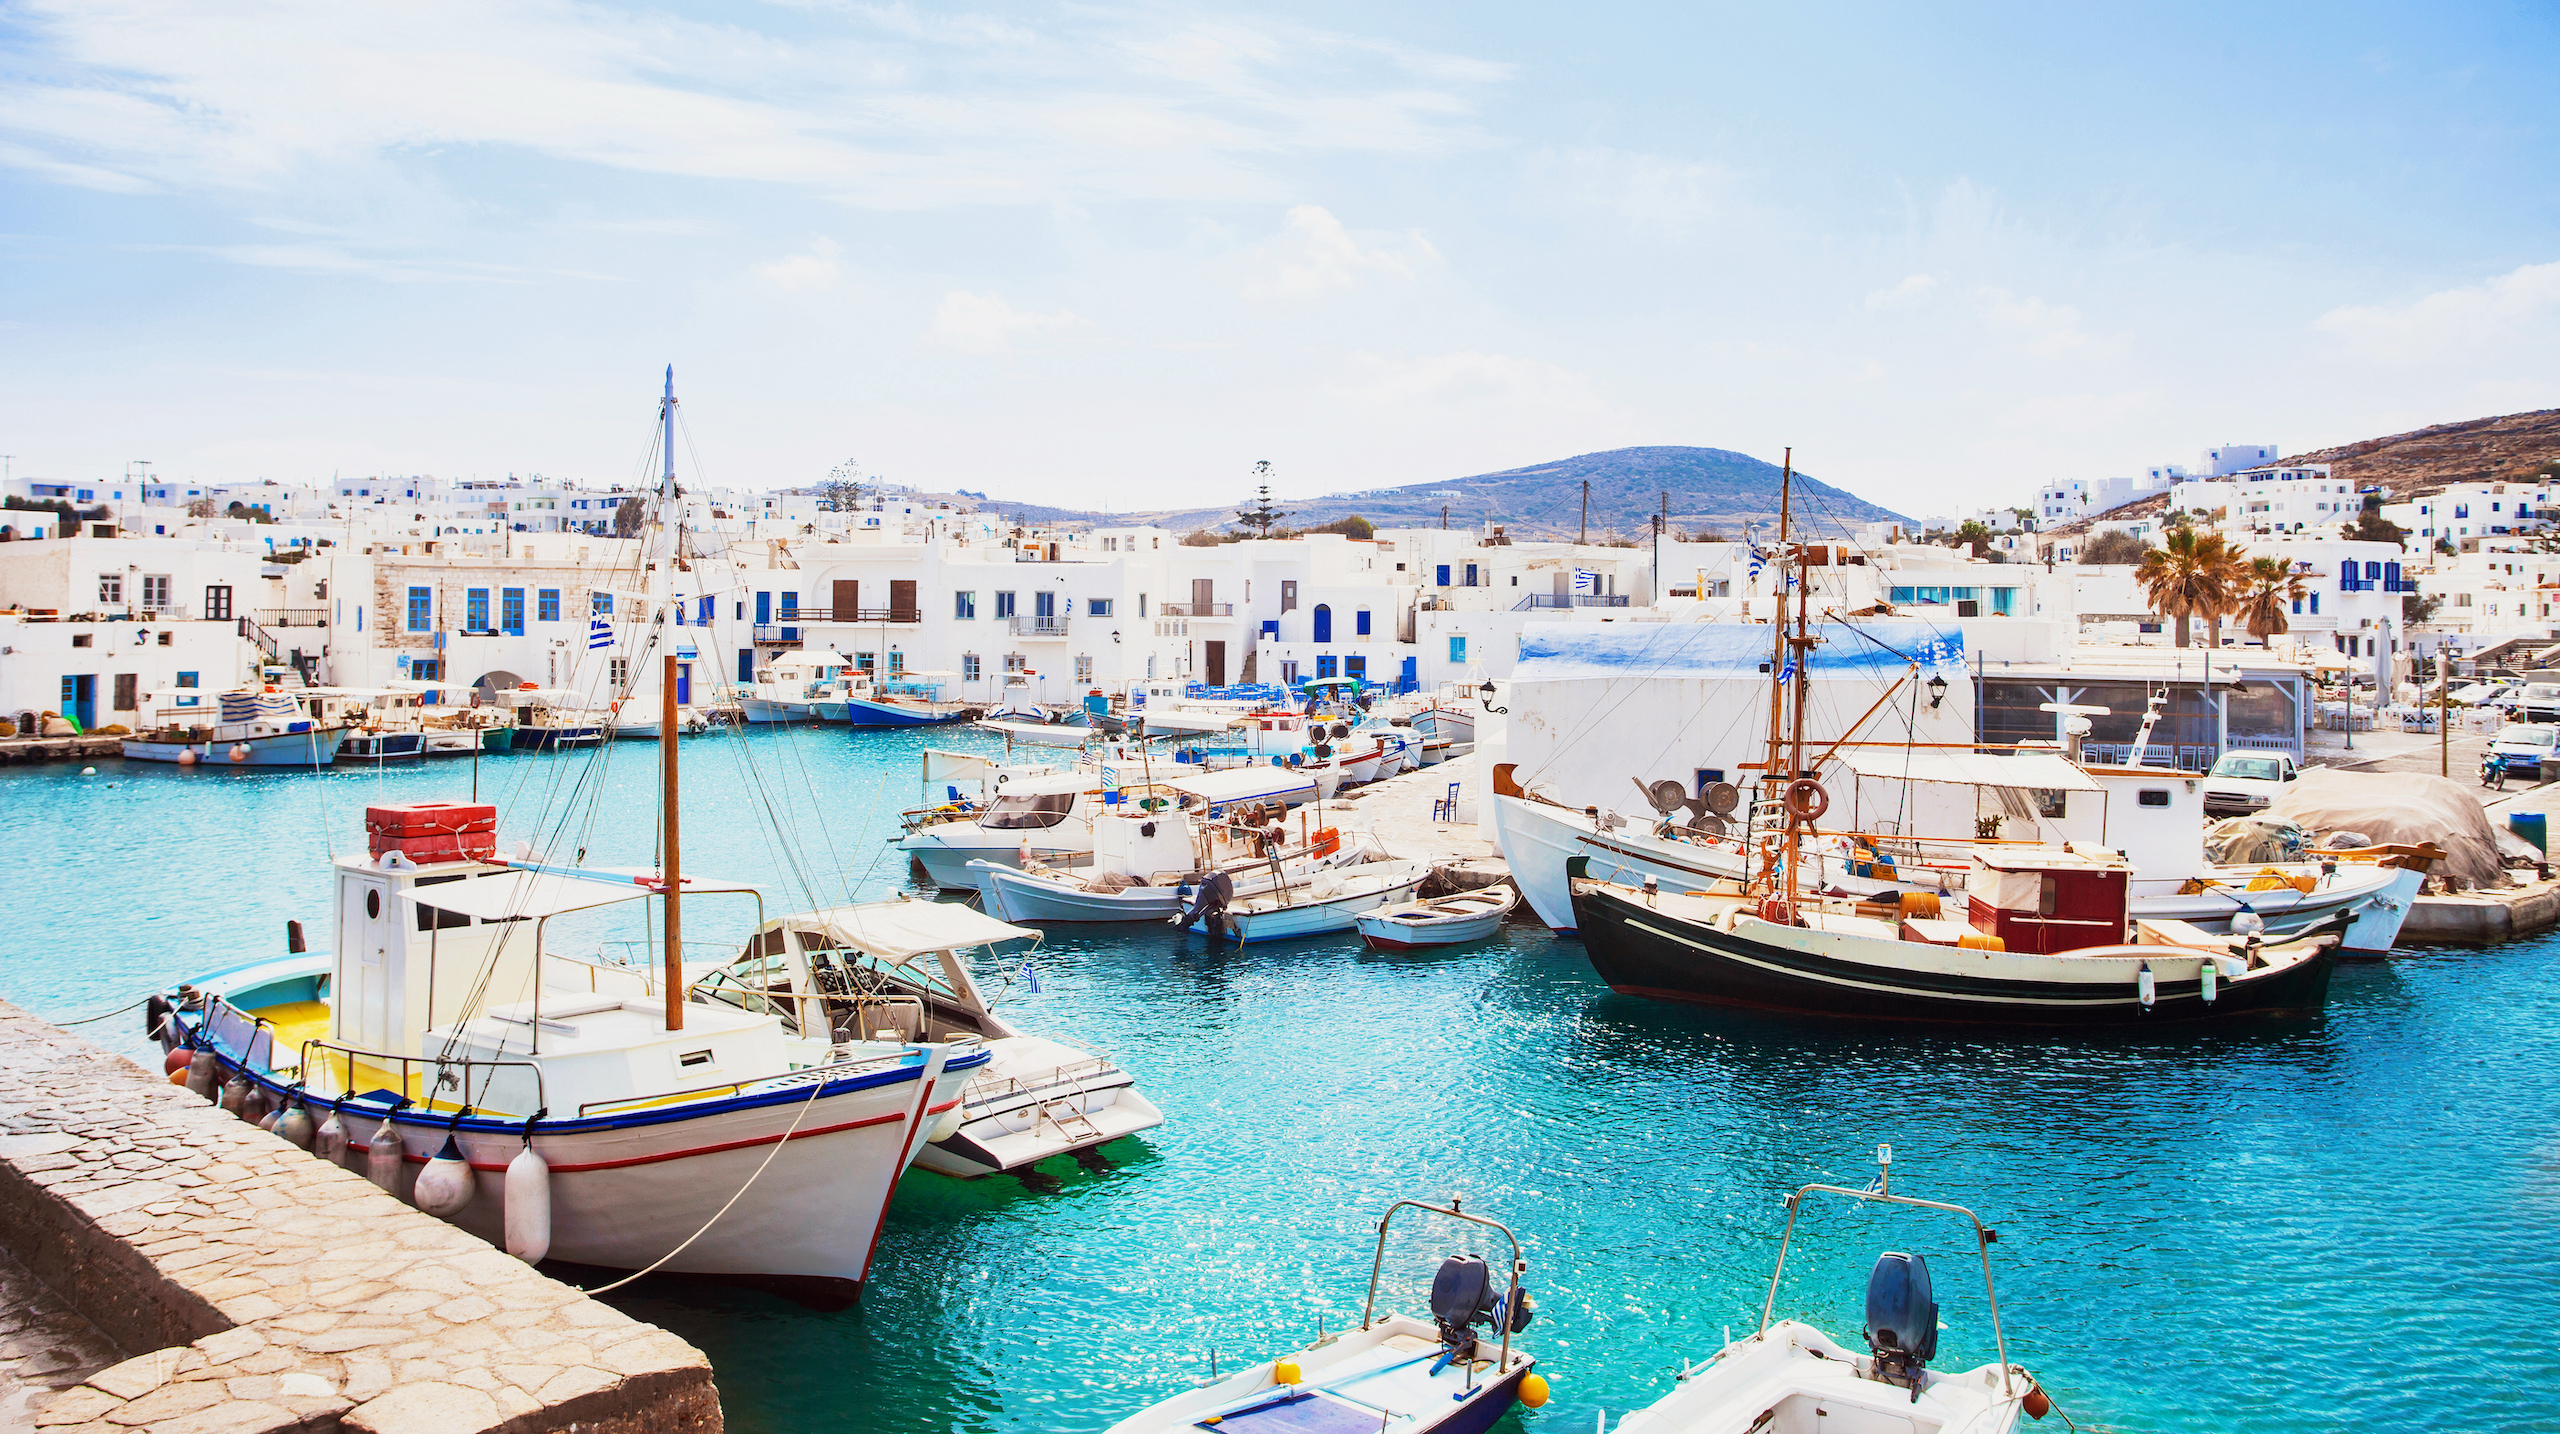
[(1441, 921), (1048, 819), (908, 699), (792, 687), (2045, 939), (1145, 866), (1454, 1373), (1788, 1376), (892, 972), (1329, 900), (263, 726), (548, 719)]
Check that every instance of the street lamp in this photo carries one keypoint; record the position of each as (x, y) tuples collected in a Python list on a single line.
[(1484, 696), (1937, 690)]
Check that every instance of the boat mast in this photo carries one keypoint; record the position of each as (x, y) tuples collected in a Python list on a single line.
[(1770, 768), (671, 857)]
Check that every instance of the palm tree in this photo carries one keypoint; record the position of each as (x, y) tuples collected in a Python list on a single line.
[(2272, 586), (2195, 576)]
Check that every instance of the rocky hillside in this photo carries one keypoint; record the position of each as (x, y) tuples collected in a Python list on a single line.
[(1708, 489)]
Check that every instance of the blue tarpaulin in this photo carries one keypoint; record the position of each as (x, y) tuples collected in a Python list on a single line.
[(1727, 652)]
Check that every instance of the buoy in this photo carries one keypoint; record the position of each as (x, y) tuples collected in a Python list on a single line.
[(528, 1212), (1533, 1391), (2248, 923), (384, 1155), (178, 1076), (294, 1124), (204, 1074), (187, 757), (2212, 976), (329, 1142), (1285, 1371), (239, 752), (444, 1187), (2038, 1404), (235, 1094), (177, 1060), (945, 1126), (88, 771), (2143, 983)]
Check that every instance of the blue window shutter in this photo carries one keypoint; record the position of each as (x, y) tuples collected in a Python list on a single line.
[(1444, 575), (764, 608)]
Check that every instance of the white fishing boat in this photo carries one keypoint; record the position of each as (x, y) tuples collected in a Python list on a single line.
[(551, 718), (1046, 819), (1036, 733), (1788, 1376), (1146, 865), (259, 727), (893, 971), (1327, 901), (1441, 921), (792, 686), (1393, 1373)]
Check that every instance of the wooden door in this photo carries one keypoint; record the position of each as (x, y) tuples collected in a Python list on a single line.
[(902, 600), (1204, 593), (848, 599), (1213, 657)]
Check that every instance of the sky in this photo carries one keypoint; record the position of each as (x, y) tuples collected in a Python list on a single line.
[(1113, 255)]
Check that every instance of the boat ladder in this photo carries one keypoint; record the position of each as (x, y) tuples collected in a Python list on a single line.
[(1073, 1123)]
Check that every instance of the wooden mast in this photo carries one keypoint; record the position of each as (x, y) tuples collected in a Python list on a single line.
[(671, 862), (1773, 764)]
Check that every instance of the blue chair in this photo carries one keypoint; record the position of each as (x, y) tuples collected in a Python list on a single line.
[(1446, 809)]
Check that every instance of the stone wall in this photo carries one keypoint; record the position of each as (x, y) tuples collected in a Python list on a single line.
[(276, 1291)]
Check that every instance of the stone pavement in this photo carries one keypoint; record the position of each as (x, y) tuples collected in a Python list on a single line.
[(275, 1291), (45, 1346)]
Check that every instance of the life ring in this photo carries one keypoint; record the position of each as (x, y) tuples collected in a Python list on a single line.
[(1806, 800)]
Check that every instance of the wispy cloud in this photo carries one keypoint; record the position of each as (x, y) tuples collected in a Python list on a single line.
[(1313, 255), (986, 324), (2491, 313), (815, 269), (1909, 292)]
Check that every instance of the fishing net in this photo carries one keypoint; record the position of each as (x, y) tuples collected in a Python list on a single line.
[(2252, 841), (2399, 807)]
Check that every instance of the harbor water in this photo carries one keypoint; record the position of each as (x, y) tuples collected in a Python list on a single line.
[(2342, 1221)]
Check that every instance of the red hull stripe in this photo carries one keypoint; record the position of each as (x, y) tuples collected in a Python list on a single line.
[(498, 1168)]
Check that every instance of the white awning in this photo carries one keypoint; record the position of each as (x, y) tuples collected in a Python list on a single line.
[(940, 766), (1186, 721), (2034, 771), (1245, 784), (533, 893), (1039, 734), (812, 659), (899, 930)]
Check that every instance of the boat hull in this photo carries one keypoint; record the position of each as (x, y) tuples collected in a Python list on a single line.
[(1311, 918), (382, 746), (545, 739), (759, 710), (1640, 951), (1010, 894), (863, 713), (284, 749)]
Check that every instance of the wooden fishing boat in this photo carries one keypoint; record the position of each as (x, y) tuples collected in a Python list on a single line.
[(1394, 1372), (1443, 921), (1326, 902), (1790, 1376)]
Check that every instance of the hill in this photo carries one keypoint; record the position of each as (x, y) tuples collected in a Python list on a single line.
[(2509, 448), (1711, 489)]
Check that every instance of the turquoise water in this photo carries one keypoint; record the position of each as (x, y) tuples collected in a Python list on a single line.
[(2335, 1222)]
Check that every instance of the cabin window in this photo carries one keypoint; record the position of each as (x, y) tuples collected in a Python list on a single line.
[(692, 1059), (2153, 797), (432, 918), (2047, 898), (1027, 813), (2050, 803)]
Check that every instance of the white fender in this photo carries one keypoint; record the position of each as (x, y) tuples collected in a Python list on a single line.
[(2144, 984), (204, 1073), (384, 1156), (240, 752), (294, 1124), (528, 1212), (330, 1143), (945, 1125), (445, 1186)]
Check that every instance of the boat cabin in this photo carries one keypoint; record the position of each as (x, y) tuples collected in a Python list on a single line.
[(2050, 901), (880, 971)]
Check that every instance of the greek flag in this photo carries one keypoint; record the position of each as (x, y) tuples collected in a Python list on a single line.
[(1031, 977), (599, 633), (1787, 673), (1758, 560), (1585, 581)]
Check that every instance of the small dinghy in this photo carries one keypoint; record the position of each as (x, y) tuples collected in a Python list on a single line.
[(1326, 901), (1394, 1372), (1446, 921), (1791, 1376)]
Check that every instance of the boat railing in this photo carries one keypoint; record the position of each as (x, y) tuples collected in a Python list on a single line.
[(1519, 1266), (833, 1070), (447, 1072), (1881, 1193), (991, 1087)]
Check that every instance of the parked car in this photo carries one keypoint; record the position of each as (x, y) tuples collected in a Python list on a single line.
[(2539, 702), (2523, 745), (2246, 782), (2482, 694)]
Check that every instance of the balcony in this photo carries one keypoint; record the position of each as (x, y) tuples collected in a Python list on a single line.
[(1534, 601), (1021, 626), (1199, 609), (293, 617), (770, 634), (857, 614)]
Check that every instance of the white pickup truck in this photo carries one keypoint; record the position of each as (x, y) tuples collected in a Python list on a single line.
[(2243, 783)]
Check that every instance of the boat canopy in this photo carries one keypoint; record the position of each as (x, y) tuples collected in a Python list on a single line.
[(895, 931), (941, 766), (513, 894), (1243, 784), (2032, 771), (821, 658), (1186, 721), (1039, 734)]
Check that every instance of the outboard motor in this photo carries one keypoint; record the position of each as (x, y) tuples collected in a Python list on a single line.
[(1463, 1296), (1902, 1320), (1209, 905)]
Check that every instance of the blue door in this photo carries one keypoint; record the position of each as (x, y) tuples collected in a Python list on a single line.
[(80, 700), (1324, 622), (1407, 678), (746, 664), (1444, 575), (684, 684)]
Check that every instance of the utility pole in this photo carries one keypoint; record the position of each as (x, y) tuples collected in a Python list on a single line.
[(1585, 535), (2444, 712), (1444, 517)]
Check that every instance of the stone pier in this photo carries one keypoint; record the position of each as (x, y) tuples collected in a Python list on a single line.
[(260, 1289)]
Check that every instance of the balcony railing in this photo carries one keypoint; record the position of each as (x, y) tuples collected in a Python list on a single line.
[(859, 614), (1038, 626), (1199, 609), (774, 634), (293, 616), (1538, 600)]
